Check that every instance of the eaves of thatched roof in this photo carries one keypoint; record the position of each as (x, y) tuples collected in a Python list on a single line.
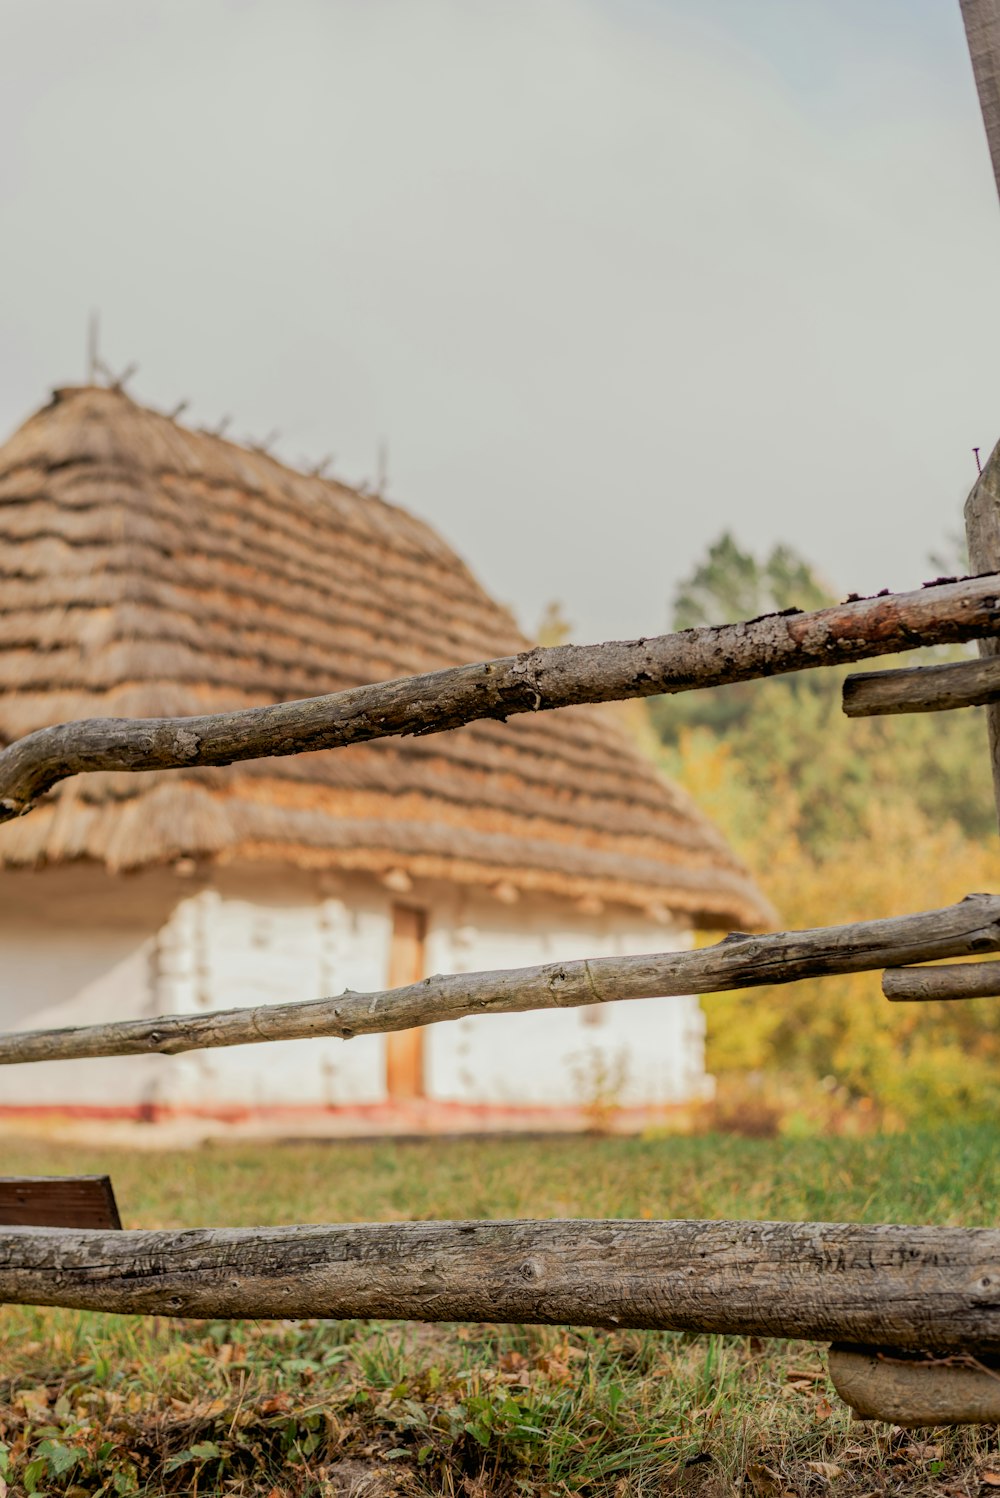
[(149, 570)]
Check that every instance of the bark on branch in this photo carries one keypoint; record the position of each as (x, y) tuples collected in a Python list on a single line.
[(963, 980), (923, 689), (906, 1287), (739, 961), (535, 680)]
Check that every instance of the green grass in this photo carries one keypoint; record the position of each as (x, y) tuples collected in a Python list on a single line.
[(114, 1404)]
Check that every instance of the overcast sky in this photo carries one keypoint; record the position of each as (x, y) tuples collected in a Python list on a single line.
[(609, 276)]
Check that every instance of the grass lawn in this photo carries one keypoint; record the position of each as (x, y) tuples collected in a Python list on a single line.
[(94, 1404)]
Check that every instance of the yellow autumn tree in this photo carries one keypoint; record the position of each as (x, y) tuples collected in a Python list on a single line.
[(904, 1062)]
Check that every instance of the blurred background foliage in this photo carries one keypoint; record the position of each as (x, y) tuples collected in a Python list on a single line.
[(840, 821)]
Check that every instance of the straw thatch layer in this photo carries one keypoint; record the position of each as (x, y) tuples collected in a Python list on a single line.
[(148, 570)]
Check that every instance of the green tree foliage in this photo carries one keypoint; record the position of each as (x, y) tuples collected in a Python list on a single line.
[(731, 584), (840, 820), (792, 728)]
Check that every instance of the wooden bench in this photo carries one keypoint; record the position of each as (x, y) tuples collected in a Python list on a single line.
[(58, 1202)]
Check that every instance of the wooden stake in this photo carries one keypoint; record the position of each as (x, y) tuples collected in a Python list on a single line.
[(982, 32), (982, 530), (93, 340)]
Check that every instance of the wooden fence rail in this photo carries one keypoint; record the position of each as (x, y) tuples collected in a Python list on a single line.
[(907, 1287), (923, 689), (560, 676), (960, 980), (738, 961)]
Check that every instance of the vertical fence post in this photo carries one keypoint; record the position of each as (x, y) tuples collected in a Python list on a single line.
[(982, 32), (982, 509), (982, 531)]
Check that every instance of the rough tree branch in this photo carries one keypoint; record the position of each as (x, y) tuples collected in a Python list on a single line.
[(739, 961), (560, 676), (905, 1287)]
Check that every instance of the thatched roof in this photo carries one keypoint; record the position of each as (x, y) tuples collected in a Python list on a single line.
[(151, 570)]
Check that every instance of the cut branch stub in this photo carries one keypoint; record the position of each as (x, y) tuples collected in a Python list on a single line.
[(923, 689), (739, 961), (534, 681), (960, 980)]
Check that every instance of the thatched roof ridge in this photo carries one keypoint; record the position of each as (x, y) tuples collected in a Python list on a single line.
[(146, 570)]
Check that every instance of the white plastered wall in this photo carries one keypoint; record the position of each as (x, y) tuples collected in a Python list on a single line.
[(645, 1052), (78, 945), (261, 937)]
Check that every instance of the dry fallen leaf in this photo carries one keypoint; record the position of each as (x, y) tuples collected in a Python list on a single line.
[(990, 1479), (829, 1470), (923, 1451), (37, 1399), (555, 1364), (824, 1409), (765, 1480), (196, 1409)]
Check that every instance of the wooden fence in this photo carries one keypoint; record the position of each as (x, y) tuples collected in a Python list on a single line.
[(913, 1312), (908, 1289)]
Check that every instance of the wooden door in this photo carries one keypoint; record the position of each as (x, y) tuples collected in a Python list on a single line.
[(404, 1049)]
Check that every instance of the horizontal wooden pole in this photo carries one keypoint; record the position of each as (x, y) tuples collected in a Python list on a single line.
[(907, 1287), (738, 961), (913, 1391), (923, 689), (960, 980), (560, 676)]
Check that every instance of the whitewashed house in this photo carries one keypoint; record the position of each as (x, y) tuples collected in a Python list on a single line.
[(147, 570)]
